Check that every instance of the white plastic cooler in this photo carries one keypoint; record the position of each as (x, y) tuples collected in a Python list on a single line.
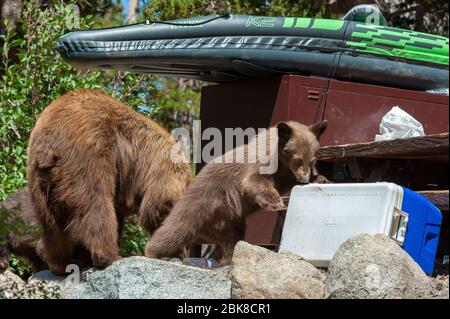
[(320, 217)]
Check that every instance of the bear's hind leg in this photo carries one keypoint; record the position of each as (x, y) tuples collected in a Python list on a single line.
[(229, 240), (97, 231), (56, 249), (170, 240), (151, 219)]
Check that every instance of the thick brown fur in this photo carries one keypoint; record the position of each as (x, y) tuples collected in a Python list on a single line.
[(91, 162), (215, 205), (23, 244)]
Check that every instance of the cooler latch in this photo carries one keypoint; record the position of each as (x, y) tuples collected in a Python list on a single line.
[(399, 224)]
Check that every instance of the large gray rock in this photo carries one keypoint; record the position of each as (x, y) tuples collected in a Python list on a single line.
[(375, 267), (439, 288), (62, 283), (47, 276), (13, 287), (10, 285), (261, 273), (145, 278)]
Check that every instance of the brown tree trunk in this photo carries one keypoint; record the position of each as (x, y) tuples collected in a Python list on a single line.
[(419, 18), (133, 7), (341, 7)]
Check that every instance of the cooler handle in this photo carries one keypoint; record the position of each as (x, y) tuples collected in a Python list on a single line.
[(398, 226)]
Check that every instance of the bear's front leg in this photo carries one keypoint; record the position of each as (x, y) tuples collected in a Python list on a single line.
[(263, 192), (56, 249), (229, 238), (320, 179)]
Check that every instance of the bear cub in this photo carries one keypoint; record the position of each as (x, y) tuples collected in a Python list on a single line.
[(216, 203)]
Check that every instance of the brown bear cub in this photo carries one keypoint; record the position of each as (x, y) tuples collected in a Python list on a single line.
[(24, 242), (92, 161), (215, 205)]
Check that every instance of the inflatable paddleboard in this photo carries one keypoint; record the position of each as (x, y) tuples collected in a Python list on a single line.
[(225, 48)]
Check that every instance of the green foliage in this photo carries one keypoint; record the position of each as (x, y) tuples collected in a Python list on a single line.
[(175, 100), (19, 267), (133, 238), (177, 9), (174, 9), (309, 8)]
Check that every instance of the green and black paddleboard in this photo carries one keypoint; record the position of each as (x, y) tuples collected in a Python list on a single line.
[(238, 47)]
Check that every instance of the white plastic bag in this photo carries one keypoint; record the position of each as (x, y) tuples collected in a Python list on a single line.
[(398, 124), (441, 91)]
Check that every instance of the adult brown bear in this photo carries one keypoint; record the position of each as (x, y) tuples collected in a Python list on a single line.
[(92, 161)]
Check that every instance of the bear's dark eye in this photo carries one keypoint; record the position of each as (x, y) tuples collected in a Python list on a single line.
[(298, 162)]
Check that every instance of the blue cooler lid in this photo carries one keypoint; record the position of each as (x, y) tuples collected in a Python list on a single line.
[(422, 233)]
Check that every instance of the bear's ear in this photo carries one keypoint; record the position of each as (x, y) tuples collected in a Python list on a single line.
[(319, 128), (284, 132)]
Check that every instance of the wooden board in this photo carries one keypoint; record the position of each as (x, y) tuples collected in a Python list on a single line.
[(438, 198), (430, 146)]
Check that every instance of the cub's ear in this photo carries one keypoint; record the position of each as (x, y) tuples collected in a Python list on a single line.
[(319, 128), (284, 132)]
